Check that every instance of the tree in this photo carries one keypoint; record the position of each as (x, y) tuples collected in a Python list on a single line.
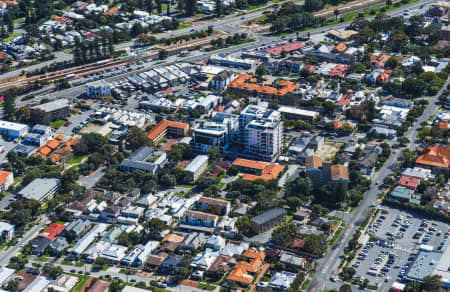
[(260, 72), (214, 153), (52, 271), (283, 236), (162, 54), (313, 5), (115, 286), (13, 285), (360, 68), (413, 286), (168, 180), (219, 7), (136, 138), (432, 283), (314, 244), (392, 63), (414, 86), (243, 225), (9, 107), (345, 288)]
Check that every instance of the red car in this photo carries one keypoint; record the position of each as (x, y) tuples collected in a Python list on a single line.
[(66, 124)]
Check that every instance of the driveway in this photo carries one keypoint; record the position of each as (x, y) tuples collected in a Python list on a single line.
[(90, 180)]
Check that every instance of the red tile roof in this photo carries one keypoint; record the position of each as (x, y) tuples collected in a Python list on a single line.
[(4, 176), (409, 182), (259, 165), (247, 82), (242, 272), (272, 171), (286, 47), (52, 231), (339, 70), (438, 156), (112, 11), (161, 126), (341, 47)]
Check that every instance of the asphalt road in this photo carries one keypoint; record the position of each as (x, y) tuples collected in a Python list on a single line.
[(6, 255)]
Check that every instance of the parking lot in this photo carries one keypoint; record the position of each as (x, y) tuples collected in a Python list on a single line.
[(396, 238)]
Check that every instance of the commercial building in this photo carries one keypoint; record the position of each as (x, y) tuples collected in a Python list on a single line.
[(98, 88), (298, 114), (429, 263), (225, 59), (6, 179), (57, 109), (6, 274), (268, 220), (40, 189), (197, 166), (13, 130), (146, 159), (167, 128)]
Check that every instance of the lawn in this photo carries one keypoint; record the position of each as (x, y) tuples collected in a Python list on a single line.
[(220, 185), (11, 37), (18, 20), (207, 287), (77, 159), (336, 235), (81, 284), (58, 123), (183, 24), (41, 259), (305, 284)]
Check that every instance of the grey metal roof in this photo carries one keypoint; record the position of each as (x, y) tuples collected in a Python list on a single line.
[(53, 105), (269, 215), (424, 265), (39, 188)]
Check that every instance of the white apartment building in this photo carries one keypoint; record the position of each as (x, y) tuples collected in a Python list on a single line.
[(220, 132), (261, 132)]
